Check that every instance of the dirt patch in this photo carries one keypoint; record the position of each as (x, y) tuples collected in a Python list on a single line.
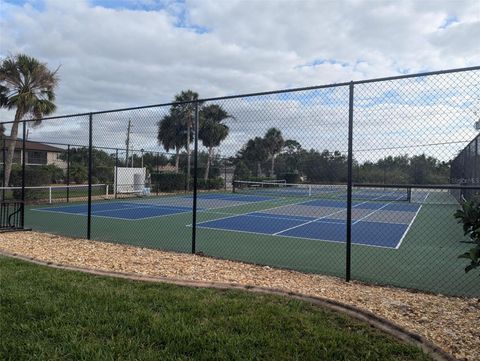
[(450, 322)]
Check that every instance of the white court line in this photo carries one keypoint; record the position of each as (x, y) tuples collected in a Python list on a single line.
[(83, 214), (278, 234), (373, 212), (318, 219), (411, 222), (408, 228), (305, 223), (248, 213), (94, 212), (147, 205), (282, 205), (296, 237), (281, 216)]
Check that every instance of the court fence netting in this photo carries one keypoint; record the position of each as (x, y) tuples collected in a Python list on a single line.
[(358, 180)]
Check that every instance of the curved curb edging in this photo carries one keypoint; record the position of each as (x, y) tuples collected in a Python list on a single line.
[(378, 322)]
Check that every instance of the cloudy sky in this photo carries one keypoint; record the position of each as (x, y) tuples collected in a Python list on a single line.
[(120, 53)]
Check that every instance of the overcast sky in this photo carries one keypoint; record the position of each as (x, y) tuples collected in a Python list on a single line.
[(120, 53)]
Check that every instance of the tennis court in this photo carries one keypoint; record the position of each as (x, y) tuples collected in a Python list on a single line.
[(138, 209), (301, 227), (374, 224), (381, 221)]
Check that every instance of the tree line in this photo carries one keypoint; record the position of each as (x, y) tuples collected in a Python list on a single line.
[(272, 156)]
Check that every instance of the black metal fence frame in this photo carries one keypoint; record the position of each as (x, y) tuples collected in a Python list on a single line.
[(350, 184)]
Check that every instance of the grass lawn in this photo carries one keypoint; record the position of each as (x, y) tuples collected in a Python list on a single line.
[(49, 314)]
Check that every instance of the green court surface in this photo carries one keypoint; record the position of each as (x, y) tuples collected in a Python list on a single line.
[(425, 259)]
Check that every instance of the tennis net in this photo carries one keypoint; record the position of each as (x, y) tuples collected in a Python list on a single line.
[(321, 191), (54, 193)]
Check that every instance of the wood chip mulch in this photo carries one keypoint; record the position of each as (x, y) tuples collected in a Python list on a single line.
[(450, 322)]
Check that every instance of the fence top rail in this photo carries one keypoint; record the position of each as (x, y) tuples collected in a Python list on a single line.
[(55, 187), (86, 146), (273, 92), (417, 186)]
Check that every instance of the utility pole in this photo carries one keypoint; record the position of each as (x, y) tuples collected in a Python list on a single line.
[(127, 142)]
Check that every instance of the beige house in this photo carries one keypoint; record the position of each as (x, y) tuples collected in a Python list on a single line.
[(36, 153)]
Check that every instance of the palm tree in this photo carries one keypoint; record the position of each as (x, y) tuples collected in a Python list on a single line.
[(274, 143), (212, 131), (27, 86), (171, 135), (185, 112)]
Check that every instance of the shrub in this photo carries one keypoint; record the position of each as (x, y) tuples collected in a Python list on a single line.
[(103, 174), (34, 176), (56, 174), (289, 177), (211, 183), (78, 173), (241, 171), (469, 215), (168, 182)]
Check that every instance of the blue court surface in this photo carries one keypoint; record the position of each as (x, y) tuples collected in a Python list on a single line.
[(374, 224), (120, 210), (135, 210)]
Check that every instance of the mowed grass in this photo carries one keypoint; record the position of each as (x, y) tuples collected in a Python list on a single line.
[(50, 314)]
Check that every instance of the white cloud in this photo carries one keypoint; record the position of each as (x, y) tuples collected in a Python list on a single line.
[(139, 53)]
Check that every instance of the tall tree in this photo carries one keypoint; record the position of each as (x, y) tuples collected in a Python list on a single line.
[(28, 86), (171, 135), (290, 158), (255, 152), (274, 142), (185, 113), (212, 131)]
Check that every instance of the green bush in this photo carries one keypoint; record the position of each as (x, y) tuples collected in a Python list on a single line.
[(211, 183), (260, 179), (103, 174), (34, 176), (56, 174), (78, 173), (168, 182), (289, 177), (469, 215), (242, 172)]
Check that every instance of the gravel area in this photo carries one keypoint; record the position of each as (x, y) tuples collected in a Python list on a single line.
[(451, 323)]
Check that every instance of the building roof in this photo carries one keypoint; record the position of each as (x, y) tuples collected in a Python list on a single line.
[(33, 145)]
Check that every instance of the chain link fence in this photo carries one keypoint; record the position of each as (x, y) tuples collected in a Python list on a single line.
[(357, 180)]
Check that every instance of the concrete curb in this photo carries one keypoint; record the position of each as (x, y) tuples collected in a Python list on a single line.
[(378, 322)]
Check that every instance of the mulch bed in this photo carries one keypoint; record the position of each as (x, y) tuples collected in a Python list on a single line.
[(450, 322)]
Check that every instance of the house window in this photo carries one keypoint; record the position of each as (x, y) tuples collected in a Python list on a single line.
[(17, 156), (36, 157)]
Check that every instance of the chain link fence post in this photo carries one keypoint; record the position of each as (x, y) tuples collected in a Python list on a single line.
[(195, 180), (68, 173), (24, 150), (348, 254), (90, 168)]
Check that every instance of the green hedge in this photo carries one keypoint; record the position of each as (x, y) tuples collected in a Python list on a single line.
[(168, 182), (260, 179), (34, 176), (211, 183), (289, 177)]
